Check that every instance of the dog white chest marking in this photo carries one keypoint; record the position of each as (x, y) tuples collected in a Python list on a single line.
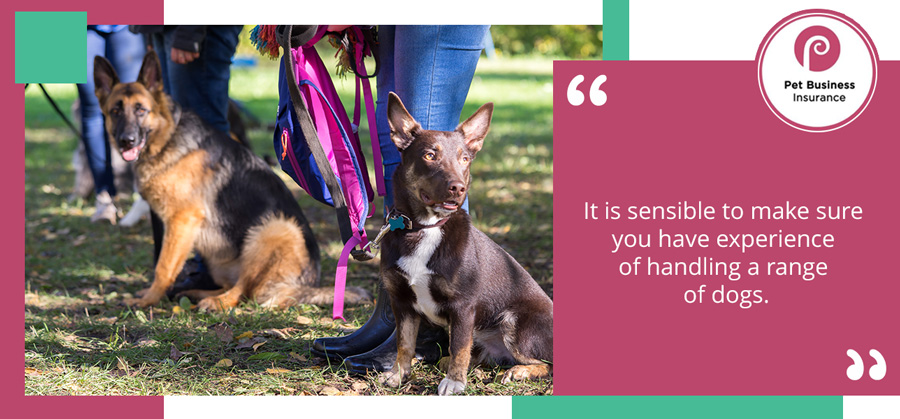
[(415, 266)]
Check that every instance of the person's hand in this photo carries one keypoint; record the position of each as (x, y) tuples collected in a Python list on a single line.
[(180, 56)]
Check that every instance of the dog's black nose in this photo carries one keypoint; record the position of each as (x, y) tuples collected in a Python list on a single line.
[(127, 140), (457, 187)]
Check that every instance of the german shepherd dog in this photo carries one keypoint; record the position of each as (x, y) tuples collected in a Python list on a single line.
[(213, 195), (441, 269)]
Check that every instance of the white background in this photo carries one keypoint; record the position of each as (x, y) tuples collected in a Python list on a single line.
[(314, 407), (727, 30)]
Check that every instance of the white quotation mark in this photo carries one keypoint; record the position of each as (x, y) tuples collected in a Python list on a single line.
[(876, 372), (576, 97), (879, 370)]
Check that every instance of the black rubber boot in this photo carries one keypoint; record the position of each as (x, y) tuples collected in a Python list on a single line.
[(376, 330), (432, 344)]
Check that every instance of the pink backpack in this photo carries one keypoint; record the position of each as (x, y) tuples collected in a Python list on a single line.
[(315, 142)]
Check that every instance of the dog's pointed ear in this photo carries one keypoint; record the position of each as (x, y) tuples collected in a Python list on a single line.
[(151, 73), (476, 127), (403, 126), (105, 78)]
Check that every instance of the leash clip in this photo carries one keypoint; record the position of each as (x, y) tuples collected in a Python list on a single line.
[(394, 221)]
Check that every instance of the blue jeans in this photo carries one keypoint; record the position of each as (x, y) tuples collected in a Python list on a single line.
[(201, 85), (125, 51), (431, 69)]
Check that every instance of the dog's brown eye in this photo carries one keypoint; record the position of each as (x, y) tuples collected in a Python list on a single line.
[(430, 156), (140, 112), (465, 159), (114, 111)]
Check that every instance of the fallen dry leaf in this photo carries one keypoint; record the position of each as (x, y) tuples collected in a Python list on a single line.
[(304, 320), (251, 343), (277, 370), (120, 364), (330, 391), (175, 354), (31, 371), (79, 240), (224, 362), (145, 342), (224, 332), (359, 386), (278, 333), (245, 335), (301, 358)]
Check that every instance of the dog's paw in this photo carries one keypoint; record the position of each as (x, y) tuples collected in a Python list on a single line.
[(147, 298), (391, 379), (524, 372), (141, 302), (449, 387), (216, 304), (210, 304)]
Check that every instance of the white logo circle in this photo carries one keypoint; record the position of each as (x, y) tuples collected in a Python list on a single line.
[(817, 70)]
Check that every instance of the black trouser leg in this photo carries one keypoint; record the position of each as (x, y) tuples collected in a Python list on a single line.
[(158, 231)]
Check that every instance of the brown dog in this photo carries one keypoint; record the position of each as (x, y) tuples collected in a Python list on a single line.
[(441, 269), (214, 196)]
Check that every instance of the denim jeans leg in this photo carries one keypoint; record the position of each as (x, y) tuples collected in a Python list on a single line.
[(431, 69), (93, 131), (202, 84), (125, 50), (390, 156)]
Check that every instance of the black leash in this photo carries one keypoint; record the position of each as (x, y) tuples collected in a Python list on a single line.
[(58, 110)]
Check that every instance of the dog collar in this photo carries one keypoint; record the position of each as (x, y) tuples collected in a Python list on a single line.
[(396, 220)]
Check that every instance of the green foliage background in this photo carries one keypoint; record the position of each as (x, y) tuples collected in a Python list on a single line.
[(558, 41)]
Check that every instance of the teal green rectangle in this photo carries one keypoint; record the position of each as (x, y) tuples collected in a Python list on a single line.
[(693, 407), (615, 30), (51, 47)]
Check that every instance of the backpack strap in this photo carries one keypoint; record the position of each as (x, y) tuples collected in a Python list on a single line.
[(348, 232), (312, 140)]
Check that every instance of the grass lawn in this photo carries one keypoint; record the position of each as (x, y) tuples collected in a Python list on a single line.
[(81, 339)]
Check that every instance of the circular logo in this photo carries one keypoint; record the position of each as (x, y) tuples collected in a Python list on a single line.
[(817, 70), (817, 48)]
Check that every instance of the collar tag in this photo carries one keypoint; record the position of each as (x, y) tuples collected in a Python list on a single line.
[(398, 221)]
